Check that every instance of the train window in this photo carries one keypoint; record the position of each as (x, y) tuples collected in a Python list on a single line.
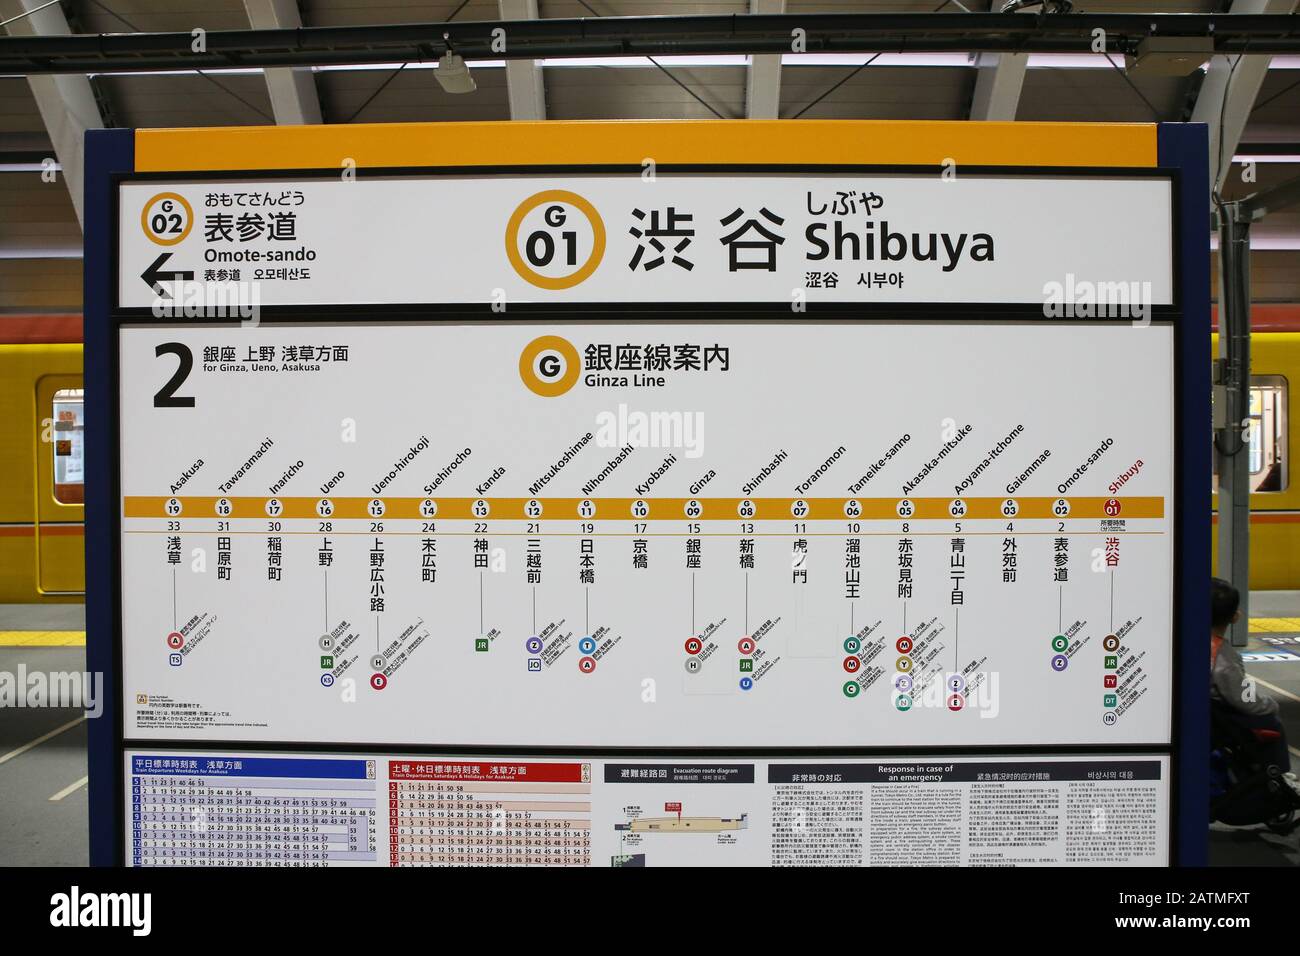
[(1266, 432), (1268, 451), (69, 446)]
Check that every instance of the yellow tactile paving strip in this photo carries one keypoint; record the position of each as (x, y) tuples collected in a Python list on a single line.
[(42, 638), (1274, 625)]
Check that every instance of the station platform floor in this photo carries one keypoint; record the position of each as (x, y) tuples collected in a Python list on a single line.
[(43, 751), (1272, 658)]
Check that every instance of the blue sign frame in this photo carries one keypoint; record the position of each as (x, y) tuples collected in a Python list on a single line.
[(1183, 151)]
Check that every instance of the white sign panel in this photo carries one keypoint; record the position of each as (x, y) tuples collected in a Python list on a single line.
[(670, 238), (192, 808), (648, 535)]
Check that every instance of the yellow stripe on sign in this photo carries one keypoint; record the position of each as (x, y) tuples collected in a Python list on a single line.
[(42, 638), (631, 142), (637, 509), (1274, 625)]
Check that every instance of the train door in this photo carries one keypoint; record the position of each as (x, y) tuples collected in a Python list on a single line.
[(60, 485)]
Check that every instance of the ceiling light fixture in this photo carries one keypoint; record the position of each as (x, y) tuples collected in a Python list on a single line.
[(452, 74)]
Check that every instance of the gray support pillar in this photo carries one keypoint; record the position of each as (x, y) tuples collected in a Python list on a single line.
[(1233, 409)]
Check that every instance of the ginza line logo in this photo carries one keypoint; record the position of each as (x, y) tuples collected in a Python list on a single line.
[(103, 909)]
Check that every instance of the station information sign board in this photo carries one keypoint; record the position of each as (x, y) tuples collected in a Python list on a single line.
[(471, 509)]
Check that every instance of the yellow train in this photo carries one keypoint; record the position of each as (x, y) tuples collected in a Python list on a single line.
[(1275, 498), (42, 530), (42, 518)]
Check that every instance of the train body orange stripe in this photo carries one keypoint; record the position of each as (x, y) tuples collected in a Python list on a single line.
[(1266, 317), (1267, 517), (42, 329), (47, 530)]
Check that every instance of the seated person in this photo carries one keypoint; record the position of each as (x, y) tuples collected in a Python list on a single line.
[(1229, 682), (1272, 480)]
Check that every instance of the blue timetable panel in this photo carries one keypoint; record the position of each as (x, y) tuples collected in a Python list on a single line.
[(209, 810)]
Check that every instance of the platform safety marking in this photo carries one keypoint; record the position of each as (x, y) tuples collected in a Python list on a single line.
[(42, 638), (1274, 625)]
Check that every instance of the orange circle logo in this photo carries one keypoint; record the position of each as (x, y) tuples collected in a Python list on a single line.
[(543, 247), (167, 219), (550, 366)]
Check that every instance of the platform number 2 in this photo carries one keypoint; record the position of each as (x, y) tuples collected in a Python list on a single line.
[(166, 396)]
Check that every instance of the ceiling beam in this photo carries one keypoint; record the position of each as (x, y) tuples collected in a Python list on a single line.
[(523, 77), (294, 100), (66, 103), (999, 78), (1271, 200), (642, 36), (1229, 91), (763, 78)]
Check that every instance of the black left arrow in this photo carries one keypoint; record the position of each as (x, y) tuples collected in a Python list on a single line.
[(153, 276)]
